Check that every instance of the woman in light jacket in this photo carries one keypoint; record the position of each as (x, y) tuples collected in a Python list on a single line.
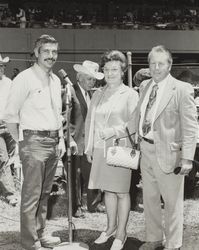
[(111, 107)]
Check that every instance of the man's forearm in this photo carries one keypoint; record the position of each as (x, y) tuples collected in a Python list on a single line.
[(13, 128)]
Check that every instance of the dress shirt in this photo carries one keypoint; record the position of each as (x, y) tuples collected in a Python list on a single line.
[(160, 91), (5, 86), (85, 95), (35, 100)]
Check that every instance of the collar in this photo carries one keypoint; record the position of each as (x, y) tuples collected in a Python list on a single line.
[(163, 82), (121, 88), (41, 73)]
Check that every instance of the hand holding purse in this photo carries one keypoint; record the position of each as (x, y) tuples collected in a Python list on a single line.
[(125, 157)]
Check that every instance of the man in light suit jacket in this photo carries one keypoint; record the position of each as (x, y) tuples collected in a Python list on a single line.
[(165, 120), (87, 73)]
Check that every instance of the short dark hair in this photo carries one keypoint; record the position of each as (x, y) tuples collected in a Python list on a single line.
[(114, 55), (43, 39), (161, 49), (186, 76)]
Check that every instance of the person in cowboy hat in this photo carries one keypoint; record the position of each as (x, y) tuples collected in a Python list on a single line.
[(87, 74), (7, 144)]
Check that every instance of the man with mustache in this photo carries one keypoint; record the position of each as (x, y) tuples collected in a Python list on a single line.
[(33, 116)]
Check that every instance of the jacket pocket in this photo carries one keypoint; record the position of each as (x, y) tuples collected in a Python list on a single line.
[(174, 146)]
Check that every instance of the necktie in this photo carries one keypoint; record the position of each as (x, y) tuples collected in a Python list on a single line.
[(87, 98), (146, 127), (89, 93)]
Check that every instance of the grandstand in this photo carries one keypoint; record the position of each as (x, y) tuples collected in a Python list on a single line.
[(126, 14), (85, 29)]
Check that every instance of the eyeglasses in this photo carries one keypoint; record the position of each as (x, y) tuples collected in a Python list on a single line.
[(48, 52), (158, 64), (113, 70)]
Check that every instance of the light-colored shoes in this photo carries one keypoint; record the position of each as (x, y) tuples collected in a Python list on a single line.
[(118, 244), (49, 241), (103, 238), (151, 245)]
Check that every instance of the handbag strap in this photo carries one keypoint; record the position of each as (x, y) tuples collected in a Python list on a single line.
[(130, 139)]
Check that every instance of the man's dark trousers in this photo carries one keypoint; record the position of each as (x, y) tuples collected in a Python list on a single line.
[(80, 178), (39, 157)]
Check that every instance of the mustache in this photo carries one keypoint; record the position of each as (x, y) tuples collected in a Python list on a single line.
[(51, 59)]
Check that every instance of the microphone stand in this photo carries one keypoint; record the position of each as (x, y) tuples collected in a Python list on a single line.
[(70, 245)]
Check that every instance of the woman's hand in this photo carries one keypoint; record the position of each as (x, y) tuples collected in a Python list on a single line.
[(106, 133), (89, 158), (186, 166)]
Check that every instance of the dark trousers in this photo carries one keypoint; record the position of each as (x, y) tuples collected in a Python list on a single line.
[(80, 177), (7, 149), (39, 158), (190, 180)]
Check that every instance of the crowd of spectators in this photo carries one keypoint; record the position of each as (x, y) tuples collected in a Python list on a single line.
[(117, 15)]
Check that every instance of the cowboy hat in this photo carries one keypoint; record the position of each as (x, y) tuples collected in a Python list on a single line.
[(90, 68), (4, 60), (141, 75)]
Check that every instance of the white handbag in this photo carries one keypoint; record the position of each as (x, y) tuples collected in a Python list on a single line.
[(120, 156)]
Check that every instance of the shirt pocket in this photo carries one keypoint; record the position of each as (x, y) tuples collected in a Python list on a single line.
[(39, 98)]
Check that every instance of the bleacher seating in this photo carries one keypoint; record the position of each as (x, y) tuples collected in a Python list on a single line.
[(166, 15)]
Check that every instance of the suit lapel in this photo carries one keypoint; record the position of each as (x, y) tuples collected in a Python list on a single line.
[(142, 96), (167, 95), (81, 101)]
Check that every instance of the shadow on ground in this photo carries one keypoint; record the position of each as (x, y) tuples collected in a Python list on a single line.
[(88, 237), (11, 240)]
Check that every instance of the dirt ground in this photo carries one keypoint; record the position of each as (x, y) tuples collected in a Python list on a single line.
[(87, 229)]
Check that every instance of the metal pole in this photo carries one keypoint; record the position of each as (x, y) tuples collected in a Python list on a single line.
[(68, 165), (70, 245), (129, 62)]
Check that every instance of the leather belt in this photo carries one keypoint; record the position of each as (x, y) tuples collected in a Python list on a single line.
[(147, 140), (45, 133)]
